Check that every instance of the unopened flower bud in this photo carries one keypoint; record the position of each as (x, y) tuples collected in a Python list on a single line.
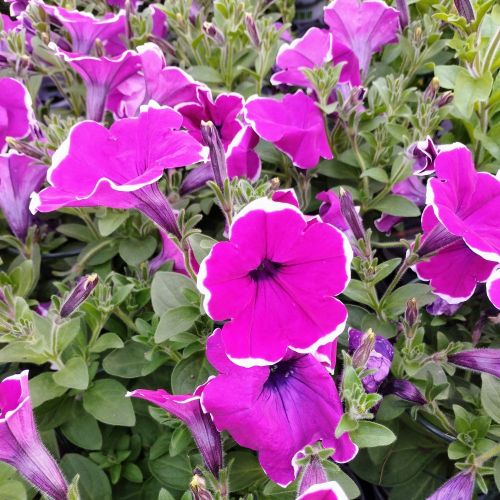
[(99, 48), (252, 31), (432, 89), (198, 487), (25, 148), (417, 35), (411, 312), (212, 139), (314, 473), (424, 154), (404, 389), (351, 215), (465, 9), (79, 294), (364, 350), (213, 32), (444, 99)]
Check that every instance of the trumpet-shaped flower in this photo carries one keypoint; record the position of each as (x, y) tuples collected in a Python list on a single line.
[(186, 407), (365, 27), (101, 75), (84, 29), (169, 251), (263, 408), (331, 490), (461, 226), (315, 49), (276, 279), (20, 443), (16, 114), (294, 125), (119, 167), (18, 179)]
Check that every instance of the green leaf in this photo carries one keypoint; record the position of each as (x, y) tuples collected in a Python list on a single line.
[(385, 269), (395, 304), (180, 440), (377, 173), (175, 321), (205, 74), (74, 375), (134, 251), (106, 401), (447, 75), (245, 470), (93, 482), (469, 90), (397, 205), (43, 388), (371, 434), (111, 221), (346, 483), (131, 361), (346, 424), (174, 473), (132, 473), (168, 291), (76, 231), (357, 292), (490, 396), (496, 473), (12, 490), (83, 431), (190, 373), (201, 245), (107, 341)]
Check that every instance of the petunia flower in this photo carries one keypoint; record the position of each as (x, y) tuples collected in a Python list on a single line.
[(153, 80), (493, 288), (424, 154), (101, 75), (186, 407), (312, 474), (20, 443), (411, 188), (480, 360), (17, 7), (330, 490), (404, 389), (294, 125), (276, 279), (364, 27), (329, 210), (19, 177), (459, 487), (440, 307), (461, 226), (264, 408), (238, 139), (169, 251), (119, 167), (378, 359), (313, 50), (16, 112), (84, 29)]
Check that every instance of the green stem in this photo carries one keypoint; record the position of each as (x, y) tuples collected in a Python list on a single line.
[(442, 418), (362, 164), (124, 317), (492, 452), (388, 244), (397, 278)]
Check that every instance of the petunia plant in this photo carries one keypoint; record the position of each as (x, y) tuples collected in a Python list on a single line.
[(249, 249)]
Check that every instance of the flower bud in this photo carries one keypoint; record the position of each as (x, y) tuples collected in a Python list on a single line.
[(25, 148), (252, 31), (213, 33), (196, 179), (212, 139), (479, 360), (198, 487), (465, 9), (411, 312), (79, 294), (364, 350), (404, 389), (314, 473), (351, 215), (444, 99), (432, 89)]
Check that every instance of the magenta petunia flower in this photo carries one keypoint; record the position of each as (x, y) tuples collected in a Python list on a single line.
[(411, 188), (20, 443), (186, 407), (119, 167), (315, 49), (276, 279), (424, 154), (329, 210), (167, 85), (365, 27), (493, 288), (17, 7), (461, 224), (169, 251), (16, 113), (378, 359), (330, 490), (263, 408), (294, 125), (440, 307), (18, 179), (84, 28), (101, 75), (237, 137), (480, 360), (459, 487)]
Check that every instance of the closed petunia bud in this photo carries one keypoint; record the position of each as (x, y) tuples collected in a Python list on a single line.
[(465, 9), (79, 294), (351, 215), (432, 89), (411, 312), (252, 31), (404, 389), (212, 139), (198, 487), (479, 360), (213, 33)]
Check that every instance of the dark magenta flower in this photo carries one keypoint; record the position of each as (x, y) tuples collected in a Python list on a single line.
[(263, 408), (19, 177), (186, 407), (16, 113), (424, 154), (493, 288), (84, 29), (461, 226), (315, 49), (169, 251), (237, 137), (379, 358), (294, 125), (440, 307), (480, 360), (364, 27), (119, 167), (101, 75), (329, 210), (330, 490), (17, 7), (276, 279), (20, 443), (459, 487), (404, 389)]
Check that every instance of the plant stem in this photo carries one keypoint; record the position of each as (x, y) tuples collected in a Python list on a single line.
[(388, 244), (124, 317), (492, 452), (362, 164), (401, 272)]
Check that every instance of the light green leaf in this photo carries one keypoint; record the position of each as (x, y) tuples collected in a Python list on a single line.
[(371, 434), (134, 251), (74, 375), (43, 388), (469, 90), (490, 396), (397, 205), (83, 431), (175, 321), (92, 483), (107, 341), (168, 291)]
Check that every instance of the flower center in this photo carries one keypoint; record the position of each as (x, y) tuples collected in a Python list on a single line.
[(267, 269), (280, 373), (438, 239)]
